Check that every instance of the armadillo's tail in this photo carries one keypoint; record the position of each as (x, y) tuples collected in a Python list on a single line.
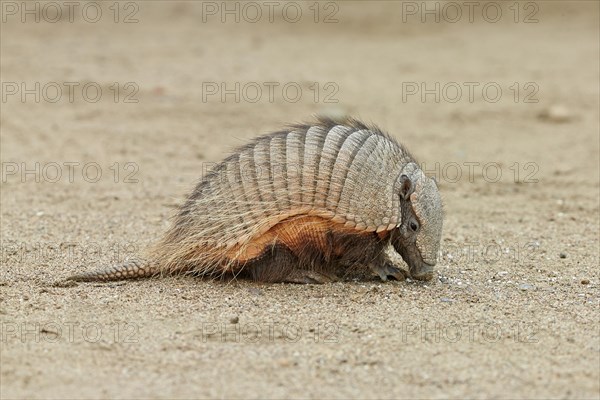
[(132, 269)]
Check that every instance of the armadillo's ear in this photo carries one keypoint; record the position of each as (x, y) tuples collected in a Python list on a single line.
[(406, 187)]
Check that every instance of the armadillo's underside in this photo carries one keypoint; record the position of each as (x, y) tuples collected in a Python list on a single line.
[(305, 248)]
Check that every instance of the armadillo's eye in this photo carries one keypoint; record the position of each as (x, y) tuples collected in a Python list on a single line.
[(413, 226)]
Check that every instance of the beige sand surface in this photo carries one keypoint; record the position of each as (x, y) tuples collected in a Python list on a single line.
[(514, 309)]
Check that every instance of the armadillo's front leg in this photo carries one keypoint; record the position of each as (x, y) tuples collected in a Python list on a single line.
[(387, 269), (389, 264)]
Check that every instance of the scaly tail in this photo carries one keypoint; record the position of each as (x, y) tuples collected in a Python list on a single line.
[(132, 269)]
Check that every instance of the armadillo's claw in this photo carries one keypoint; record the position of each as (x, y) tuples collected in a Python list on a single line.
[(387, 269), (307, 277)]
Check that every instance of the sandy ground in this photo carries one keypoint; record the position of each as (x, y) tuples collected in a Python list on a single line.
[(514, 309)]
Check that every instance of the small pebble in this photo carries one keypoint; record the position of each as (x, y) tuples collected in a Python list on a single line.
[(563, 255), (446, 300), (556, 113), (585, 281), (234, 320), (284, 362), (525, 286), (256, 291)]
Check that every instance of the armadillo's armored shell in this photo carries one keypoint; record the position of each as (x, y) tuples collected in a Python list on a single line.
[(343, 172)]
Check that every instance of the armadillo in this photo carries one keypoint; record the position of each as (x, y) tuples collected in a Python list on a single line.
[(305, 204)]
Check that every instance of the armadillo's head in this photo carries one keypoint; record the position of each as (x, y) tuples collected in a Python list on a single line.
[(417, 238)]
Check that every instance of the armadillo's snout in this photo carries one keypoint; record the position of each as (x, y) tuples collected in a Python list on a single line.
[(422, 271)]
